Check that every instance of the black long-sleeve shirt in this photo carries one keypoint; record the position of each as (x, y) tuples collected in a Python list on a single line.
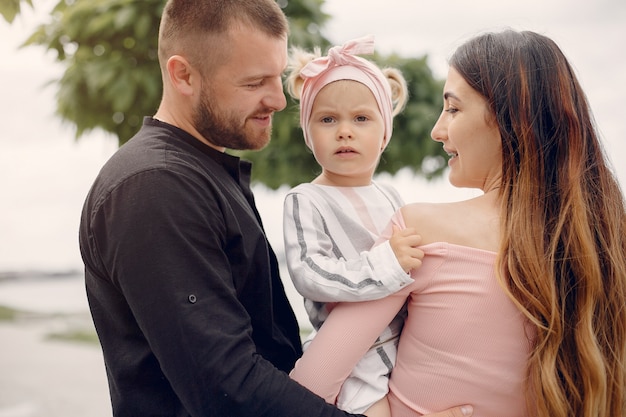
[(184, 288)]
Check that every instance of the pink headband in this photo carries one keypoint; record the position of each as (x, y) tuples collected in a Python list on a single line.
[(343, 64)]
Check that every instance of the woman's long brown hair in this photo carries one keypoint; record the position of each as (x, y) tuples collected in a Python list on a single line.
[(563, 248)]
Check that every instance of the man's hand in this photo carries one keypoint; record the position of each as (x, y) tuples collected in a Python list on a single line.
[(404, 244), (461, 411)]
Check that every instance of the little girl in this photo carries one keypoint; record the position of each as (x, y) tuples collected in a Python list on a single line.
[(347, 105)]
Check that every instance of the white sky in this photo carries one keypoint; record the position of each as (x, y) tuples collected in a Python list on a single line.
[(45, 173)]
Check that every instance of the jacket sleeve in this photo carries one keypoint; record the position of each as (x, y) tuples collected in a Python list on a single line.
[(319, 273)]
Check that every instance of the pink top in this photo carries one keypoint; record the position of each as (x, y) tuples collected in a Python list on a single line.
[(464, 341)]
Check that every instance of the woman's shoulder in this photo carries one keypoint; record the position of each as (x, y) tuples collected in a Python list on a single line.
[(418, 213), (472, 223), (421, 209)]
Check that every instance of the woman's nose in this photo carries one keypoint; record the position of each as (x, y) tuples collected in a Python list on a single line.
[(439, 131)]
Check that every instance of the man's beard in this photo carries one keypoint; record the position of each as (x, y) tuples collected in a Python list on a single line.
[(224, 130)]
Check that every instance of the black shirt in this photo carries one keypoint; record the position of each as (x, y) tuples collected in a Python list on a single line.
[(184, 288)]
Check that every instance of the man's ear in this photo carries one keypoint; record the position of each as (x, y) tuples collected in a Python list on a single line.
[(181, 75)]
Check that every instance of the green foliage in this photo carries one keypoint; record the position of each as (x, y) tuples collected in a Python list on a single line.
[(112, 80), (411, 145), (75, 335), (8, 313), (306, 21), (9, 9)]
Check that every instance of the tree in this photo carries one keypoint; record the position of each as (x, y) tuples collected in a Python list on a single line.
[(112, 79)]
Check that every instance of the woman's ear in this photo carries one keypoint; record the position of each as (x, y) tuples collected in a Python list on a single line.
[(181, 75)]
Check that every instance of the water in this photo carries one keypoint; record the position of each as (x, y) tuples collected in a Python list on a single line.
[(43, 294), (42, 377)]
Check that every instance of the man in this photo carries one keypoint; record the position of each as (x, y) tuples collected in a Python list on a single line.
[(182, 283)]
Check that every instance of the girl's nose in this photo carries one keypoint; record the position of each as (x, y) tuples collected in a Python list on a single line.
[(344, 133)]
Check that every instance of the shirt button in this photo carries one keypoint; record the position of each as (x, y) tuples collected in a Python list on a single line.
[(192, 298)]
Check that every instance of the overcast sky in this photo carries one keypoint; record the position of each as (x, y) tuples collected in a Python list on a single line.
[(45, 173)]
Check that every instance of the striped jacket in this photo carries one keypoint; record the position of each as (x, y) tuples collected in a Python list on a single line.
[(328, 234)]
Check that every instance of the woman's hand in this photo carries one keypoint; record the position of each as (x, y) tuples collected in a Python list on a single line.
[(379, 409), (461, 411)]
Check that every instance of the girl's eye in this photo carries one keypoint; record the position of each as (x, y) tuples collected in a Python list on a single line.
[(361, 118), (327, 119), (451, 110)]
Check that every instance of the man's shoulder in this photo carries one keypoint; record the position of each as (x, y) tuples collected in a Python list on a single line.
[(156, 150)]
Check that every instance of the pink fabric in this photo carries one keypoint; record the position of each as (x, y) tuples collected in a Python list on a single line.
[(464, 341), (343, 64)]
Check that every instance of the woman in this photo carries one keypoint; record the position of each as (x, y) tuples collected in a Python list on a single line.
[(533, 271)]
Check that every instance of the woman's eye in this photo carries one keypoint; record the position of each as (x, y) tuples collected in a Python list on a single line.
[(451, 110)]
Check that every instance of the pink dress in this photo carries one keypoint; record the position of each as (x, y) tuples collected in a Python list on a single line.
[(464, 341)]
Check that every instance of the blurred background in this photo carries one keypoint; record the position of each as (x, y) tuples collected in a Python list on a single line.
[(50, 364)]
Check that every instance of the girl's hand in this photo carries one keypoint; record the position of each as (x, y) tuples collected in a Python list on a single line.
[(404, 244)]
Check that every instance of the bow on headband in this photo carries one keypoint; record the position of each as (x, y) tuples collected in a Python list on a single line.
[(342, 63), (340, 55)]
